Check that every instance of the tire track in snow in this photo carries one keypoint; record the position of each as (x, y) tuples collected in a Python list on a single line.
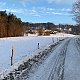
[(57, 72), (77, 44)]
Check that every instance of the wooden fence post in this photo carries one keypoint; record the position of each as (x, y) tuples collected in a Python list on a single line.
[(12, 56)]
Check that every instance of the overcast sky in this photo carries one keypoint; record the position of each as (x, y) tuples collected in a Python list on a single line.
[(56, 11)]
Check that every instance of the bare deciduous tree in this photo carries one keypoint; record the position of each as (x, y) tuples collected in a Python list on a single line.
[(76, 11)]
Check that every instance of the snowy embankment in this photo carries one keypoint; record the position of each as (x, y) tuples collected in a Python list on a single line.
[(25, 65), (53, 66), (24, 46), (61, 64)]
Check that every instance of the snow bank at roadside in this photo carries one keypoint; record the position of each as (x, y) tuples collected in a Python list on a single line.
[(62, 35), (24, 46), (28, 61)]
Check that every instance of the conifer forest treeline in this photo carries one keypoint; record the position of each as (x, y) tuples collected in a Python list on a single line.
[(10, 25)]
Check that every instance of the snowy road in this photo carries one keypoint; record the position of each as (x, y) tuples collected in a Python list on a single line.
[(72, 62), (63, 63), (53, 67)]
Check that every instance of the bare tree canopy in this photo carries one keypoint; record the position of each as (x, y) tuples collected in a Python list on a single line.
[(76, 11)]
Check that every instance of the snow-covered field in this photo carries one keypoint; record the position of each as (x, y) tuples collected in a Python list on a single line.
[(24, 46)]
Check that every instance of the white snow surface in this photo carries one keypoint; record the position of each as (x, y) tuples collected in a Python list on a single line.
[(62, 64), (24, 46), (49, 68), (72, 62), (45, 69)]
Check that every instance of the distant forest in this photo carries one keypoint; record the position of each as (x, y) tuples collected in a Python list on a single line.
[(11, 26)]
